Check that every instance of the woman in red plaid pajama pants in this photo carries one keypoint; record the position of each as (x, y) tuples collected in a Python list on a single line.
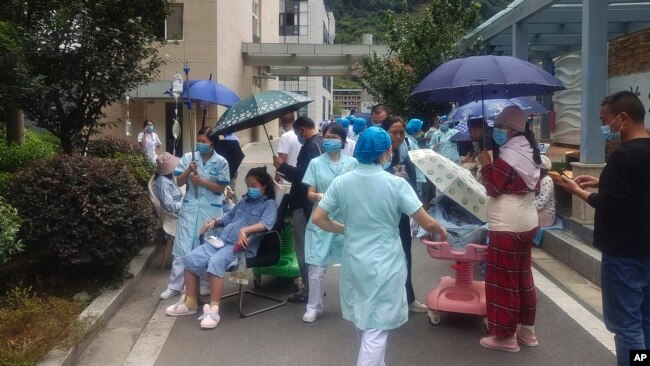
[(511, 181)]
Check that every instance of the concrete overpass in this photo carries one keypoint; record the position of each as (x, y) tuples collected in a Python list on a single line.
[(308, 59)]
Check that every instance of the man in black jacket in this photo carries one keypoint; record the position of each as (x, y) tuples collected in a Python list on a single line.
[(621, 229), (312, 147)]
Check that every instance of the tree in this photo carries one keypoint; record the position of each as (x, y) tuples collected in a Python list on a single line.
[(10, 59), (79, 56), (337, 110), (417, 44)]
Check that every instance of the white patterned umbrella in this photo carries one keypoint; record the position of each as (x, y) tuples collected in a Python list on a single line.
[(453, 180)]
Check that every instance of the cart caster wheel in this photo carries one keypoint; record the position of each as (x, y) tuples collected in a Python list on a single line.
[(257, 281), (434, 317)]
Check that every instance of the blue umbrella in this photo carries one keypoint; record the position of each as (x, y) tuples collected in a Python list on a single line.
[(492, 108), (209, 91), (484, 77)]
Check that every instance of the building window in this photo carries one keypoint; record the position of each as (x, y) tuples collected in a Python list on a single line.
[(174, 23), (288, 78), (289, 18), (256, 21)]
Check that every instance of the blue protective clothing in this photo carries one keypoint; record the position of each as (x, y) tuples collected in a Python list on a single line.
[(323, 248), (199, 204), (370, 203), (440, 143), (371, 144)]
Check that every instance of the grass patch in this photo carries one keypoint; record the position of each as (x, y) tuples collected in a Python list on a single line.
[(31, 325)]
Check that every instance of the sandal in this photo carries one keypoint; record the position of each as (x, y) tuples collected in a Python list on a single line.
[(298, 298)]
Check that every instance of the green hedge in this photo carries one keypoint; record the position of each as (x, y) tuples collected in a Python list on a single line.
[(37, 146), (9, 226), (82, 211)]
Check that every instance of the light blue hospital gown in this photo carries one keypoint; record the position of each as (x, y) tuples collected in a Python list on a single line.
[(373, 266), (321, 247), (206, 258), (168, 194), (197, 209)]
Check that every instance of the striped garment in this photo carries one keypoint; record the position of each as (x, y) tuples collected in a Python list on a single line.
[(509, 287)]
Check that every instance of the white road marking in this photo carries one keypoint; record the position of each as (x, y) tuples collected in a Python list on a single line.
[(576, 311), (146, 350)]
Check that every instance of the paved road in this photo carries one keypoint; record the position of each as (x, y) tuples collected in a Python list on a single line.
[(566, 330)]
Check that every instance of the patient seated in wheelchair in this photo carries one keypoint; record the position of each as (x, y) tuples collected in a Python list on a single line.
[(255, 212)]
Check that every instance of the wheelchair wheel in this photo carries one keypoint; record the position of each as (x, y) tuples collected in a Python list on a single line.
[(434, 317), (257, 280)]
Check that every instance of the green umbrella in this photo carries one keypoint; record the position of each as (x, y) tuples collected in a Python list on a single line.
[(257, 110)]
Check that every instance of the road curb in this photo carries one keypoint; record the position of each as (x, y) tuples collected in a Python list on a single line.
[(97, 314)]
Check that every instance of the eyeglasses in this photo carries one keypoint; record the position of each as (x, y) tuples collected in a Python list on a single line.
[(398, 133)]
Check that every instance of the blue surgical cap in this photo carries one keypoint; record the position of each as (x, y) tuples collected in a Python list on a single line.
[(371, 144), (359, 125), (442, 118), (414, 126), (343, 122)]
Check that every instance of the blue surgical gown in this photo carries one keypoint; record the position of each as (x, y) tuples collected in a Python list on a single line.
[(373, 266), (440, 143), (323, 248), (199, 203)]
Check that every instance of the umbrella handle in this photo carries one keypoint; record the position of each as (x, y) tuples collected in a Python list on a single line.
[(268, 139)]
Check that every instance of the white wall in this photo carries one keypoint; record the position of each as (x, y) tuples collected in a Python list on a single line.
[(638, 83)]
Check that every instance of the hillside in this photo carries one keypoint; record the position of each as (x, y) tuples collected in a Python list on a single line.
[(356, 17)]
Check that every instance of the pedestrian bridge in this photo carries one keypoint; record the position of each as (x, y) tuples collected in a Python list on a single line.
[(308, 59)]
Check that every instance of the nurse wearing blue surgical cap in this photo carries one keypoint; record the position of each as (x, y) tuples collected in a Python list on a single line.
[(370, 202), (358, 125)]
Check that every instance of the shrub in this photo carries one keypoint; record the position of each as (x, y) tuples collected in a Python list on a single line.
[(37, 146), (140, 166), (131, 154), (30, 326), (5, 179), (82, 211), (109, 146), (9, 226)]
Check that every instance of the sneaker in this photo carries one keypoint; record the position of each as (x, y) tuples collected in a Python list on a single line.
[(311, 316), (418, 307), (508, 344), (210, 318), (204, 290), (180, 309), (169, 293)]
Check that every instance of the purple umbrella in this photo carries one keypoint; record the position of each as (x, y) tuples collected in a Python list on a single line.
[(484, 77)]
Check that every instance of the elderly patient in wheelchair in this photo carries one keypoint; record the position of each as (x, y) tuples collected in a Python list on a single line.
[(255, 212)]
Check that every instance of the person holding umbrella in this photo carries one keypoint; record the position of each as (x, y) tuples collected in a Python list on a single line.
[(370, 203), (312, 147), (511, 181), (206, 174)]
